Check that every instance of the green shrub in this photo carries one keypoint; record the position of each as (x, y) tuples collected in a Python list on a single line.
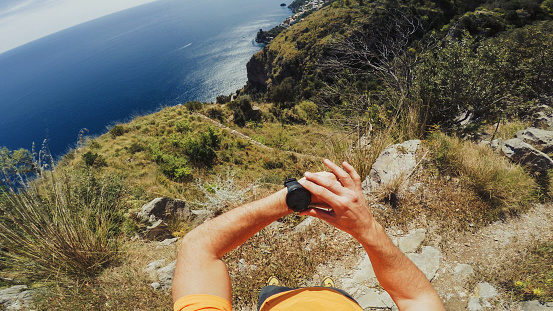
[(201, 150), (172, 166), (136, 147), (93, 159), (183, 126), (193, 105), (65, 224), (117, 130)]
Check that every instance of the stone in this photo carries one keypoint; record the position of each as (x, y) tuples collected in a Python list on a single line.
[(486, 290), (474, 304), (393, 164), (537, 137), (168, 242), (305, 224), (428, 261), (165, 275), (462, 271), (412, 241), (496, 144), (483, 294), (159, 232), (164, 208), (372, 298), (520, 152), (535, 305), (17, 297), (153, 266), (543, 120), (11, 293), (155, 285)]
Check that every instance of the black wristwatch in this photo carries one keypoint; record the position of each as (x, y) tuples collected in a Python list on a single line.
[(298, 198)]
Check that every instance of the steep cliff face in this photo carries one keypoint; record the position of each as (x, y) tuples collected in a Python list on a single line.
[(298, 51)]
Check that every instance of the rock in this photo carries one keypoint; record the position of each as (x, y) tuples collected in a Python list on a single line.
[(373, 298), (164, 208), (304, 225), (520, 152), (168, 242), (158, 232), (395, 162), (483, 294), (535, 305), (153, 266), (155, 285), (541, 138), (496, 144), (462, 271), (17, 297), (428, 261), (415, 187), (165, 275), (544, 119), (412, 241)]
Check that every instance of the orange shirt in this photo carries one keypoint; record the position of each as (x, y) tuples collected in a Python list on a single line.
[(305, 299)]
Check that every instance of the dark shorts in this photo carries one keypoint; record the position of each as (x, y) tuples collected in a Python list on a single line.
[(271, 290)]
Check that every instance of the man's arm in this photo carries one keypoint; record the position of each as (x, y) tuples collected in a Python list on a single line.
[(405, 283), (199, 268)]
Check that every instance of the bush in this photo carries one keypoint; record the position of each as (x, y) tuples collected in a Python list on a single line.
[(505, 186), (193, 105), (67, 224), (117, 130), (215, 112), (136, 147), (201, 150), (223, 99), (183, 126), (93, 159), (172, 166), (240, 108)]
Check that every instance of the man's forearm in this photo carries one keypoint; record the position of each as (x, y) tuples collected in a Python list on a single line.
[(199, 267), (405, 283)]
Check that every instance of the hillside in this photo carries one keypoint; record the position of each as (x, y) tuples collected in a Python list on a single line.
[(462, 107)]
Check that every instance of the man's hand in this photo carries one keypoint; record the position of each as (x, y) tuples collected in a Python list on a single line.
[(341, 193), (348, 211)]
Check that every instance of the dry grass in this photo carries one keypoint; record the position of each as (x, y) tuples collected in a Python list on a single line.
[(67, 224), (505, 186), (125, 287), (528, 276)]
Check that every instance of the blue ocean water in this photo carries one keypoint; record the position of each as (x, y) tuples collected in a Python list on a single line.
[(126, 64)]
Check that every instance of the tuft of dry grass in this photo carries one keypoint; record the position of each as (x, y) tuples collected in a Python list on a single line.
[(65, 224), (505, 186), (124, 287)]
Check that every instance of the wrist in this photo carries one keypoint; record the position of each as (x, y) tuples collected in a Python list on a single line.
[(282, 207), (372, 236)]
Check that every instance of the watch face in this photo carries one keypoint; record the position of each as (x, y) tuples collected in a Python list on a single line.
[(299, 199)]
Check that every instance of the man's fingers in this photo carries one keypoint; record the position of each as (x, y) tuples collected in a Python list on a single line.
[(343, 176), (321, 191), (353, 173), (319, 213), (325, 182)]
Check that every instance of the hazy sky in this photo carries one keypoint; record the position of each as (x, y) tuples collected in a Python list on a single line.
[(22, 21)]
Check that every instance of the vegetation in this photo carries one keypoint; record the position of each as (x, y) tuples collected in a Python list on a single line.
[(535, 278), (67, 224), (343, 84)]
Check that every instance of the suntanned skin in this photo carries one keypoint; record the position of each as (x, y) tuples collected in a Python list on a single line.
[(200, 270)]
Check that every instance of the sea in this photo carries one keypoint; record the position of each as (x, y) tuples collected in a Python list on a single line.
[(134, 62)]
